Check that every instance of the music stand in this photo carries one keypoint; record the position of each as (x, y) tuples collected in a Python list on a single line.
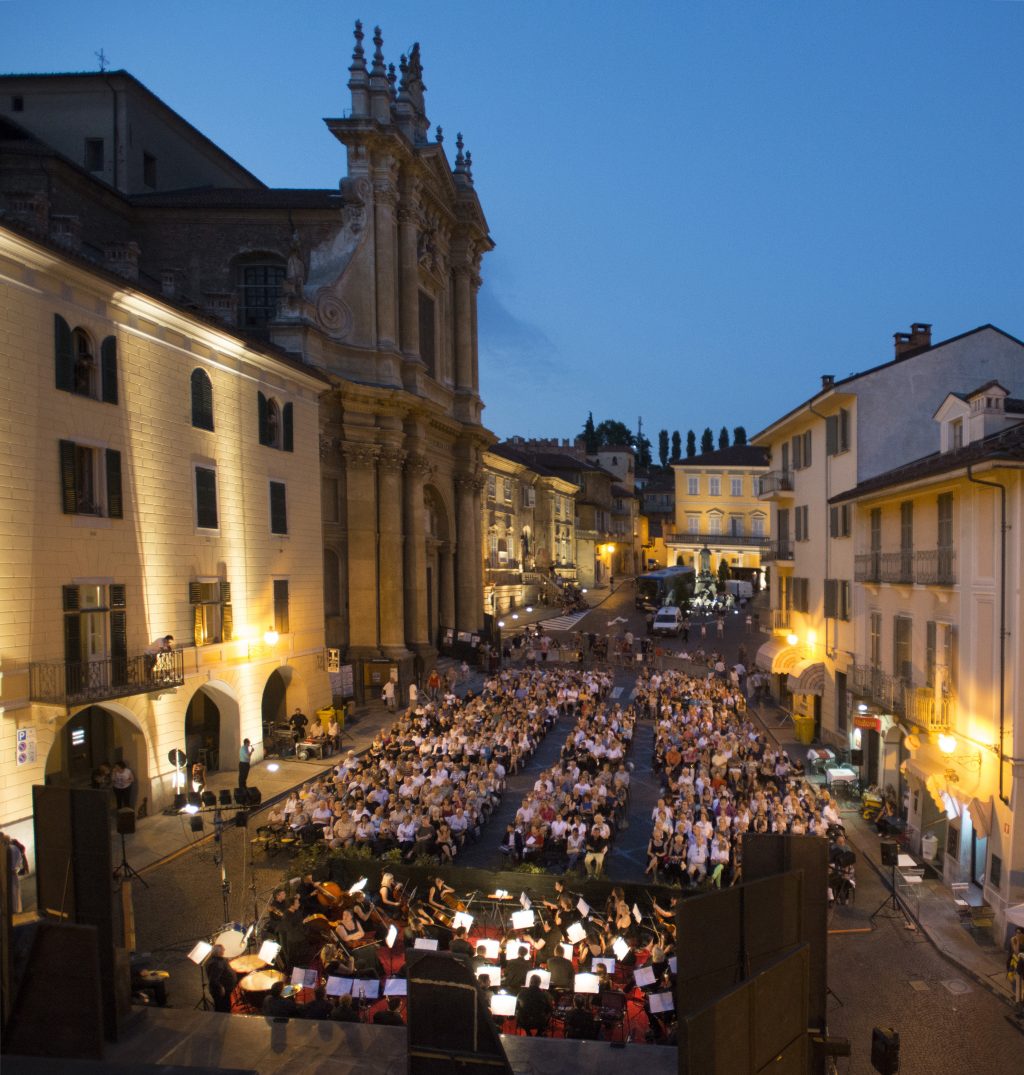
[(199, 955)]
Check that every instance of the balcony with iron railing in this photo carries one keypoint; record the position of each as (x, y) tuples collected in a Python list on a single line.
[(777, 550), (931, 567), (693, 537), (889, 693), (774, 483), (781, 620), (81, 682)]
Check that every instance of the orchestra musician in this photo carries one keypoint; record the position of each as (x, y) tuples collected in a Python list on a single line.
[(391, 896)]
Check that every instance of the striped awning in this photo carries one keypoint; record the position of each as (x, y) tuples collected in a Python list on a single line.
[(807, 677), (777, 655)]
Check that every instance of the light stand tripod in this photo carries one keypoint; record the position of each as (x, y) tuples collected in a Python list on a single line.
[(890, 906), (126, 872)]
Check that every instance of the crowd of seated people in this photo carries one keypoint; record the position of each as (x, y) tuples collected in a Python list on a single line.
[(720, 779), (570, 815), (431, 781)]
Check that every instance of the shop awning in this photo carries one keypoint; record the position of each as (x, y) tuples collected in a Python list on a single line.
[(807, 677), (777, 655), (981, 816)]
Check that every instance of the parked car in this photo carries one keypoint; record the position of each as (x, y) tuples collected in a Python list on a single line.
[(667, 621)]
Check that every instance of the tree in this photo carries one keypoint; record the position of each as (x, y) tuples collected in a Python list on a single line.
[(612, 434), (739, 436), (663, 447), (691, 444), (723, 574), (590, 435), (676, 456), (707, 441), (643, 452), (723, 438)]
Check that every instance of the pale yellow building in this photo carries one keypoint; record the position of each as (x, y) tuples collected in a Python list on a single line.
[(717, 508), (161, 478), (937, 615)]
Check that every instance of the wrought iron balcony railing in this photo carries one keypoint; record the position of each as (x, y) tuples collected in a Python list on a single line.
[(78, 682), (932, 567), (781, 619), (775, 481), (890, 693), (777, 550), (687, 537)]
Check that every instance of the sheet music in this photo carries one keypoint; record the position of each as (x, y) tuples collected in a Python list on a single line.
[(338, 987), (426, 943), (661, 1002), (644, 976), (583, 907), (396, 987)]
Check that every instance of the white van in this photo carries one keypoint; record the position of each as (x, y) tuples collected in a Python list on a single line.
[(667, 621), (739, 588)]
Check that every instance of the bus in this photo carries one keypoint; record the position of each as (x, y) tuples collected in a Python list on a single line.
[(669, 586)]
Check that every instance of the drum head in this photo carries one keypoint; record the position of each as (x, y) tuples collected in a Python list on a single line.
[(261, 981), (232, 941), (245, 964)]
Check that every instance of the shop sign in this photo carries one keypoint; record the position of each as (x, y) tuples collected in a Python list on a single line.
[(868, 722)]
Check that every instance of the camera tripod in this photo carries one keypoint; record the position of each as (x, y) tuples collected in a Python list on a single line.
[(125, 871)]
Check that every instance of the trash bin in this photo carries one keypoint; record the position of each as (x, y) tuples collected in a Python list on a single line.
[(804, 727), (325, 714), (929, 846)]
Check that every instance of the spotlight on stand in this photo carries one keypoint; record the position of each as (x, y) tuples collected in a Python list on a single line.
[(190, 808), (273, 767)]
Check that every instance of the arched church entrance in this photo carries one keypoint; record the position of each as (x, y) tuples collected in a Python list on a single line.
[(91, 738)]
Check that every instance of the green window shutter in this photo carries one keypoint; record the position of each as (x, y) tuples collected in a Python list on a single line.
[(118, 595), (68, 492), (261, 401), (115, 502), (70, 598), (278, 508), (227, 623), (195, 593), (197, 625), (118, 647), (225, 592), (206, 498), (287, 436), (202, 400), (64, 354), (72, 639), (108, 369)]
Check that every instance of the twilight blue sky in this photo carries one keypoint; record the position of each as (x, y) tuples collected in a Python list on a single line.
[(699, 207)]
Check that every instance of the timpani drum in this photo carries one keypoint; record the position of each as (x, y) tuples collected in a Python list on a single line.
[(243, 965), (257, 985)]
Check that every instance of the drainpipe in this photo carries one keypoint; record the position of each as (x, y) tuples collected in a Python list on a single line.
[(1004, 799)]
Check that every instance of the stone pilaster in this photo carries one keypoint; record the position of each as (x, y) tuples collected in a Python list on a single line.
[(361, 514), (409, 293), (417, 631), (392, 567), (467, 563), (463, 328), (384, 200), (446, 583)]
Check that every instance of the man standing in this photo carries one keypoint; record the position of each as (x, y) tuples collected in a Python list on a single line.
[(245, 754), (121, 779), (221, 978), (388, 694)]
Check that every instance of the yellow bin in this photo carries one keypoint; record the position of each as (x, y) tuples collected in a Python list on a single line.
[(804, 727), (327, 713)]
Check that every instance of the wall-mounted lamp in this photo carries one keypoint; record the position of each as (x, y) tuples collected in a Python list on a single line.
[(947, 744), (271, 637), (792, 639)]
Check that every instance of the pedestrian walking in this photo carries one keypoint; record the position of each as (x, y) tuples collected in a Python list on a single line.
[(720, 627), (750, 624), (121, 780), (388, 695), (245, 753)]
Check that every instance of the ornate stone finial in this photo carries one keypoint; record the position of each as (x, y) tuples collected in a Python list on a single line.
[(403, 66), (357, 52), (460, 157), (439, 135), (392, 78), (378, 52)]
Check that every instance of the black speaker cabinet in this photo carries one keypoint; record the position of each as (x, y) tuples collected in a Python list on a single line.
[(885, 1050), (857, 757), (890, 852), (126, 821)]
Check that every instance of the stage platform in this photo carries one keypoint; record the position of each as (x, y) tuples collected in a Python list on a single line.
[(170, 1036)]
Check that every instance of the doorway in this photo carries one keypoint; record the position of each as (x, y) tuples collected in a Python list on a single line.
[(979, 849), (92, 737), (274, 706), (202, 732)]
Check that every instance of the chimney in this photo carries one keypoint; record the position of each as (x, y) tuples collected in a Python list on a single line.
[(828, 380), (918, 338), (123, 259)]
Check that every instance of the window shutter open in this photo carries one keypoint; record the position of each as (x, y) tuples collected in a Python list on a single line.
[(225, 592), (197, 625), (64, 354), (227, 623), (264, 425), (115, 502), (831, 434), (119, 646), (118, 595), (195, 593), (108, 369), (72, 639), (202, 400), (70, 598), (69, 499), (286, 441)]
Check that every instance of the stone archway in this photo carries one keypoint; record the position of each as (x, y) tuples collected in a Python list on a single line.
[(95, 735), (212, 722), (283, 693)]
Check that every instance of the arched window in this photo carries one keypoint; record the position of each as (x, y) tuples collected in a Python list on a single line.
[(275, 423), (78, 366), (332, 583), (202, 400)]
